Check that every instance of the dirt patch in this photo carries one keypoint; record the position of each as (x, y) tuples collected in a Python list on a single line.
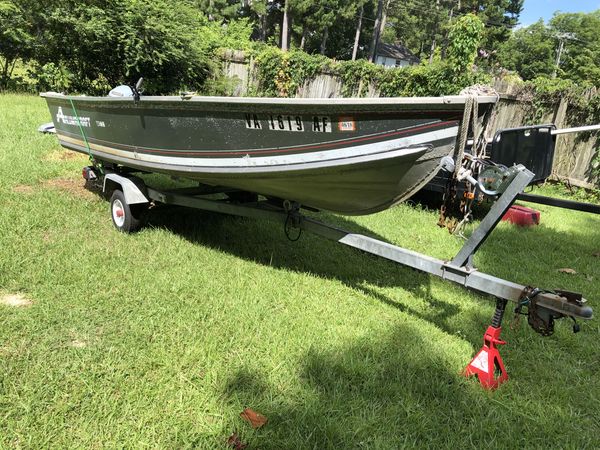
[(64, 155), (15, 300), (75, 187), (23, 189)]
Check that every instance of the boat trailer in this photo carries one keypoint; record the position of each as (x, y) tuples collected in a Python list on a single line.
[(131, 196)]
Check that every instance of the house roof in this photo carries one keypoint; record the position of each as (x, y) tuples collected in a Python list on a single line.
[(397, 51)]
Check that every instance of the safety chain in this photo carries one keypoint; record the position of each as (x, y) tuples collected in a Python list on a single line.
[(292, 220), (542, 324)]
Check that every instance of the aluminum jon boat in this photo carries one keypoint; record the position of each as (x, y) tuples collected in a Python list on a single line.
[(348, 156)]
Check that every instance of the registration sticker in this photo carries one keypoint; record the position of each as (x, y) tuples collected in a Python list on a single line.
[(346, 124)]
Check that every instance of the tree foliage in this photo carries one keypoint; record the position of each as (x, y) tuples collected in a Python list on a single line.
[(517, 53), (532, 51), (91, 45), (16, 41), (465, 37), (580, 60)]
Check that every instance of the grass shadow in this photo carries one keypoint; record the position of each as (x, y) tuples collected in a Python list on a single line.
[(265, 243), (372, 393), (392, 391)]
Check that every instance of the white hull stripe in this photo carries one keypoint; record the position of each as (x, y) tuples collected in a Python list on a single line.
[(289, 159)]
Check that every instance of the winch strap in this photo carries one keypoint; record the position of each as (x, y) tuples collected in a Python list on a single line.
[(87, 145), (470, 105)]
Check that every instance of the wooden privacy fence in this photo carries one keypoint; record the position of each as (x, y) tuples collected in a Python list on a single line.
[(574, 155)]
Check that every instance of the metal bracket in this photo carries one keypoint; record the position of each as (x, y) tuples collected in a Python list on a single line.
[(494, 216), (462, 271)]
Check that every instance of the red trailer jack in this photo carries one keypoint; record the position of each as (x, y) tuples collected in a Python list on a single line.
[(487, 364)]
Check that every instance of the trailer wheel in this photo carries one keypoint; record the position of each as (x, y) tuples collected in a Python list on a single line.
[(126, 218)]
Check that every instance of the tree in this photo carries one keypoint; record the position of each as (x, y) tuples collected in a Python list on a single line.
[(285, 27), (260, 13), (358, 31), (580, 58), (421, 26), (219, 10), (376, 30), (465, 37), (16, 41), (107, 42), (499, 16), (529, 51)]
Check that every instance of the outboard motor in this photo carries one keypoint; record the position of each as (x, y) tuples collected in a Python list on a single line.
[(128, 91), (121, 91)]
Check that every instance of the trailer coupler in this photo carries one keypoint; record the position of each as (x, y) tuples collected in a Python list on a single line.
[(541, 319)]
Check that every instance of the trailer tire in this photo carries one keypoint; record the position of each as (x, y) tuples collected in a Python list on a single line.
[(126, 218)]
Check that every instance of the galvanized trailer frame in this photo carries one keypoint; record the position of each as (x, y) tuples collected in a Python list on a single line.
[(130, 193), (459, 270)]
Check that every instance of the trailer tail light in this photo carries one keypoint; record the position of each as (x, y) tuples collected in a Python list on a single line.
[(88, 173)]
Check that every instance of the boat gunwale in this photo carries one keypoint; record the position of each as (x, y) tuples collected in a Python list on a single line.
[(373, 101)]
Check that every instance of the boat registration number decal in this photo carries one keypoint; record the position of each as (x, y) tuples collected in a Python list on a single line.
[(321, 124), (284, 122)]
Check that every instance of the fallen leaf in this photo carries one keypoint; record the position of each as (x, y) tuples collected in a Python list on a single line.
[(235, 442), (17, 300), (255, 419), (567, 270)]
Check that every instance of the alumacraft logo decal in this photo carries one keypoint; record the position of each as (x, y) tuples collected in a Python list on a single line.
[(71, 120)]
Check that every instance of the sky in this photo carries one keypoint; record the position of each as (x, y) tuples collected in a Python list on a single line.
[(534, 9)]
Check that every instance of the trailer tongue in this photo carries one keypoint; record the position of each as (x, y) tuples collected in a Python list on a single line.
[(543, 307)]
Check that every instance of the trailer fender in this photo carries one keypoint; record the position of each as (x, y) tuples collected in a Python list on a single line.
[(133, 188)]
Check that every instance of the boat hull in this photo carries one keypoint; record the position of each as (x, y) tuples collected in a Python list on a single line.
[(350, 157)]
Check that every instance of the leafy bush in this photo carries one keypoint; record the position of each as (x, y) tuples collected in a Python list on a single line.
[(357, 76), (16, 41), (436, 79), (103, 43), (160, 42), (282, 73), (53, 77), (464, 38)]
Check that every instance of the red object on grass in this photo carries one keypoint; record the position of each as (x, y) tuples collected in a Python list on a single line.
[(487, 364), (522, 216)]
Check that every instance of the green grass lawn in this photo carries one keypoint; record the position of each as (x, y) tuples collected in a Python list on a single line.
[(161, 338)]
